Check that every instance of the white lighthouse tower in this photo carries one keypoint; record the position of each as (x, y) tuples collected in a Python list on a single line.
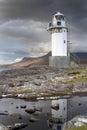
[(58, 30)]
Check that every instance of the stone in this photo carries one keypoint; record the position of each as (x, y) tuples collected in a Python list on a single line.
[(17, 126), (4, 113), (77, 121), (2, 127), (17, 115), (30, 111), (23, 106), (33, 119), (55, 106)]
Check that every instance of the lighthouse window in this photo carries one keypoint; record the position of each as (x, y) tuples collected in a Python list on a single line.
[(58, 23), (50, 24), (59, 30), (50, 126), (62, 17), (58, 127), (64, 41)]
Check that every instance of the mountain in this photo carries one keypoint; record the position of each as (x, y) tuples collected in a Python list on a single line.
[(27, 61)]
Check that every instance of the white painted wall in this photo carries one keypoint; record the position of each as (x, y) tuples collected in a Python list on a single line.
[(59, 39), (59, 48)]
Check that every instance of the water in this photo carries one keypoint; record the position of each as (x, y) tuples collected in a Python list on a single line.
[(2, 69), (48, 117)]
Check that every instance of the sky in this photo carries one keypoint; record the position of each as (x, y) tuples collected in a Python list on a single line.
[(23, 26)]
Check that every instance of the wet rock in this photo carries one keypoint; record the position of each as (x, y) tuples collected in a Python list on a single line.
[(78, 121), (17, 126), (33, 119), (79, 104), (17, 115), (30, 111), (38, 109), (2, 127), (23, 106), (55, 106), (12, 103), (9, 96), (37, 82), (4, 113), (17, 107)]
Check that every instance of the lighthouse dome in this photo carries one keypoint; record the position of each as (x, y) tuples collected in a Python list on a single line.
[(58, 16)]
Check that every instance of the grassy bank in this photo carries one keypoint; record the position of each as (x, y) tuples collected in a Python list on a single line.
[(80, 128)]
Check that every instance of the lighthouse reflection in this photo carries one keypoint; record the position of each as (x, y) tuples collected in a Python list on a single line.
[(58, 114)]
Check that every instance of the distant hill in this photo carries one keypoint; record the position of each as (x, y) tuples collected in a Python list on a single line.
[(79, 57), (27, 61)]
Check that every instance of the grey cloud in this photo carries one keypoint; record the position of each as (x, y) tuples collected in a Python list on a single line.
[(42, 11), (40, 8), (26, 30)]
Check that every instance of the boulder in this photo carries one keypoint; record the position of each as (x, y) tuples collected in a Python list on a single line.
[(17, 115), (2, 127), (17, 126), (4, 113), (77, 121), (55, 106), (33, 119), (30, 111), (23, 106)]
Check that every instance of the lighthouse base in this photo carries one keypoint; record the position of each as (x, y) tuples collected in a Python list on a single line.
[(59, 61)]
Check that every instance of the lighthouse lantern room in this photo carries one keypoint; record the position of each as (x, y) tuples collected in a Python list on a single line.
[(57, 28)]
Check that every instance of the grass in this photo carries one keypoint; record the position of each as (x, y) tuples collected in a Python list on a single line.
[(79, 128)]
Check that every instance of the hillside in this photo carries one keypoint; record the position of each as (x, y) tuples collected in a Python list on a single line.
[(27, 61)]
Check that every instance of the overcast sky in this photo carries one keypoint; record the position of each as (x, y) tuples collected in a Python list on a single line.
[(23, 25)]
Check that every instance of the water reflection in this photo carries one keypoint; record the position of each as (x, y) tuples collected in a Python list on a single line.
[(63, 110), (53, 114), (58, 114)]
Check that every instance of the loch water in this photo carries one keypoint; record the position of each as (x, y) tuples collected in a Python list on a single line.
[(50, 114)]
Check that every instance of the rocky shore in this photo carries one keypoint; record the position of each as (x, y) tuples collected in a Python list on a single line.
[(43, 81)]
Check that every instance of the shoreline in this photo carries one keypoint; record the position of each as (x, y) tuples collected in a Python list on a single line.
[(43, 82)]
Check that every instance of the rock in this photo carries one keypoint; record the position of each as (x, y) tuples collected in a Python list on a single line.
[(77, 121), (2, 127), (4, 113), (17, 126), (8, 96), (37, 82), (79, 104), (12, 103), (17, 115), (55, 106), (30, 111), (38, 109), (17, 107), (23, 106), (33, 119)]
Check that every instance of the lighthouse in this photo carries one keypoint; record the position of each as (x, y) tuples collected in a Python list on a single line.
[(58, 30)]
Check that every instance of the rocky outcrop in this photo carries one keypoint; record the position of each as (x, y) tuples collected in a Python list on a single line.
[(2, 127), (30, 111), (17, 126), (75, 122), (4, 113), (33, 119), (34, 82)]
